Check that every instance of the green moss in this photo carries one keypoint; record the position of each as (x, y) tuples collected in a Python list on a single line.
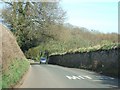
[(0, 82), (90, 49), (57, 48), (14, 73)]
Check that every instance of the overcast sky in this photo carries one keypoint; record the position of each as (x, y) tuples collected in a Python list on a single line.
[(101, 15)]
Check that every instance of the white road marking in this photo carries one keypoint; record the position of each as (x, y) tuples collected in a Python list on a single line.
[(96, 80), (97, 76), (112, 78), (114, 86), (81, 77), (88, 77), (100, 77), (78, 77), (72, 77)]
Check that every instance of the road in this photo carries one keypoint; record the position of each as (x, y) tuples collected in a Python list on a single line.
[(53, 76)]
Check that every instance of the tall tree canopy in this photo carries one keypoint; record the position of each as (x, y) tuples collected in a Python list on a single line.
[(33, 22)]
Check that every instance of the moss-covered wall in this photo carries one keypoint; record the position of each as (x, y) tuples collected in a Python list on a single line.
[(102, 61)]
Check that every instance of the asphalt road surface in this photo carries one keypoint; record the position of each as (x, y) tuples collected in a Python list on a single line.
[(53, 76)]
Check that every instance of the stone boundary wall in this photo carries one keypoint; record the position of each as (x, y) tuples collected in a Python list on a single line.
[(102, 61)]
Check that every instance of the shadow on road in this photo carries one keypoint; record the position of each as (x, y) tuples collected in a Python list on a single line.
[(112, 82), (35, 63)]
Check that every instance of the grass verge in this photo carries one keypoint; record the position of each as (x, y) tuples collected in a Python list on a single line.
[(14, 73), (0, 76)]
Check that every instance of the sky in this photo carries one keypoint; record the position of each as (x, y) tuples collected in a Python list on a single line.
[(100, 15)]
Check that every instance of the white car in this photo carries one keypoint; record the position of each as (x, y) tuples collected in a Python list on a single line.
[(43, 60)]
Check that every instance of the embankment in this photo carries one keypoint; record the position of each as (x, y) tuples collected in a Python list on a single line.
[(14, 63)]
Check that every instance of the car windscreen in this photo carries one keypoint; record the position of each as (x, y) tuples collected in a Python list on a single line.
[(43, 59)]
